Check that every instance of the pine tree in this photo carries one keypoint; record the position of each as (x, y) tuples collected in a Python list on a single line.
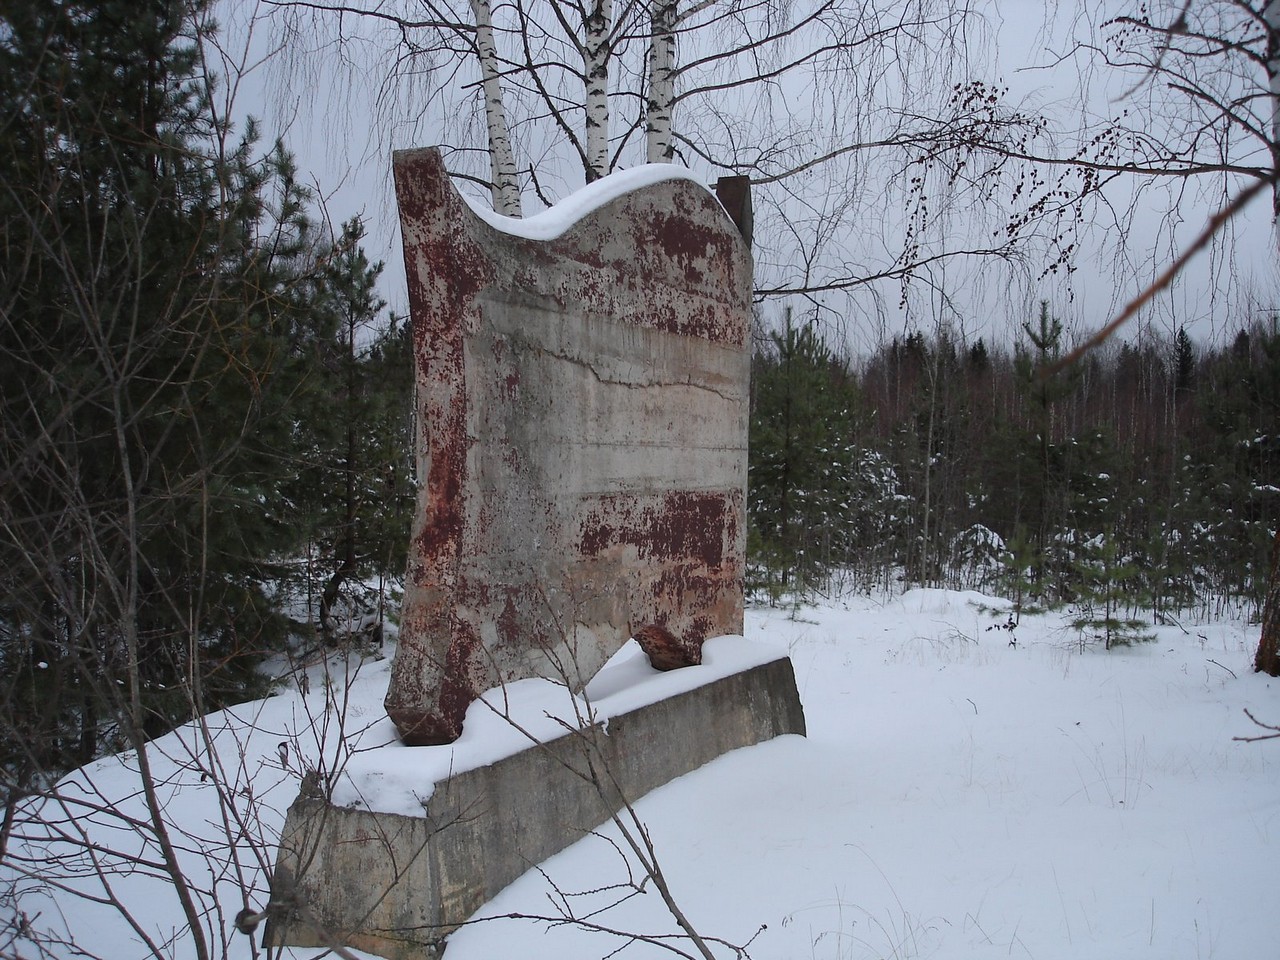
[(354, 486), (154, 317), (979, 359), (1105, 585), (390, 491), (1020, 561), (1240, 405), (1184, 363), (802, 461), (1044, 394)]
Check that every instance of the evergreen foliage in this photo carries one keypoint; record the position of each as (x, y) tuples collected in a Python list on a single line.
[(1047, 489), (353, 492), (166, 308), (1108, 589), (1146, 475), (804, 471)]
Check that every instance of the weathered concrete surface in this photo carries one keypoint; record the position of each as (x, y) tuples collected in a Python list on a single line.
[(394, 885), (582, 411)]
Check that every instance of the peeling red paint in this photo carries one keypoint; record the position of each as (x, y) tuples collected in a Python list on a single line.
[(701, 628), (439, 722), (684, 524), (443, 527), (445, 271), (460, 685), (510, 622)]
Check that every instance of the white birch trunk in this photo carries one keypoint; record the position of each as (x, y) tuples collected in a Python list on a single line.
[(662, 92), (1271, 17), (596, 66), (502, 160)]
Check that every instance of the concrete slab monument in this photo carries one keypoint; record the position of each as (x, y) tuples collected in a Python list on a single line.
[(582, 409), (582, 434)]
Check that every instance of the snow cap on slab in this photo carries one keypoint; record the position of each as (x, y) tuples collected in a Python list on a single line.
[(505, 720), (555, 221)]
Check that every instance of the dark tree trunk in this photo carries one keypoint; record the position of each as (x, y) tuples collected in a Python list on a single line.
[(1268, 658), (347, 567)]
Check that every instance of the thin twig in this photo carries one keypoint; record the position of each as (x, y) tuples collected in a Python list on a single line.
[(1274, 735), (1216, 223), (1228, 669)]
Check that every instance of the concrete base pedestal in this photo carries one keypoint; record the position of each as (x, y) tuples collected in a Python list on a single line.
[(397, 885)]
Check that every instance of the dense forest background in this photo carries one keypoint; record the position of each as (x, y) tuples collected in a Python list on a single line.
[(1143, 476)]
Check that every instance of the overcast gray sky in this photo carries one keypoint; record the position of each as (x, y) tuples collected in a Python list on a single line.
[(328, 120)]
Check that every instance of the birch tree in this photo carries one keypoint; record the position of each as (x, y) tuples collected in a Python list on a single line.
[(1271, 23), (502, 161), (561, 67), (662, 83), (596, 54)]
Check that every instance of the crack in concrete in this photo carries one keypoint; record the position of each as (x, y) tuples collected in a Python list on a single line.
[(647, 384)]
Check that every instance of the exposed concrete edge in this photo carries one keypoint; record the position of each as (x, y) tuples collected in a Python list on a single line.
[(394, 885)]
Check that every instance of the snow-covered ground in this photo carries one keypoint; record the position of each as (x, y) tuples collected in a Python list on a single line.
[(956, 797)]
